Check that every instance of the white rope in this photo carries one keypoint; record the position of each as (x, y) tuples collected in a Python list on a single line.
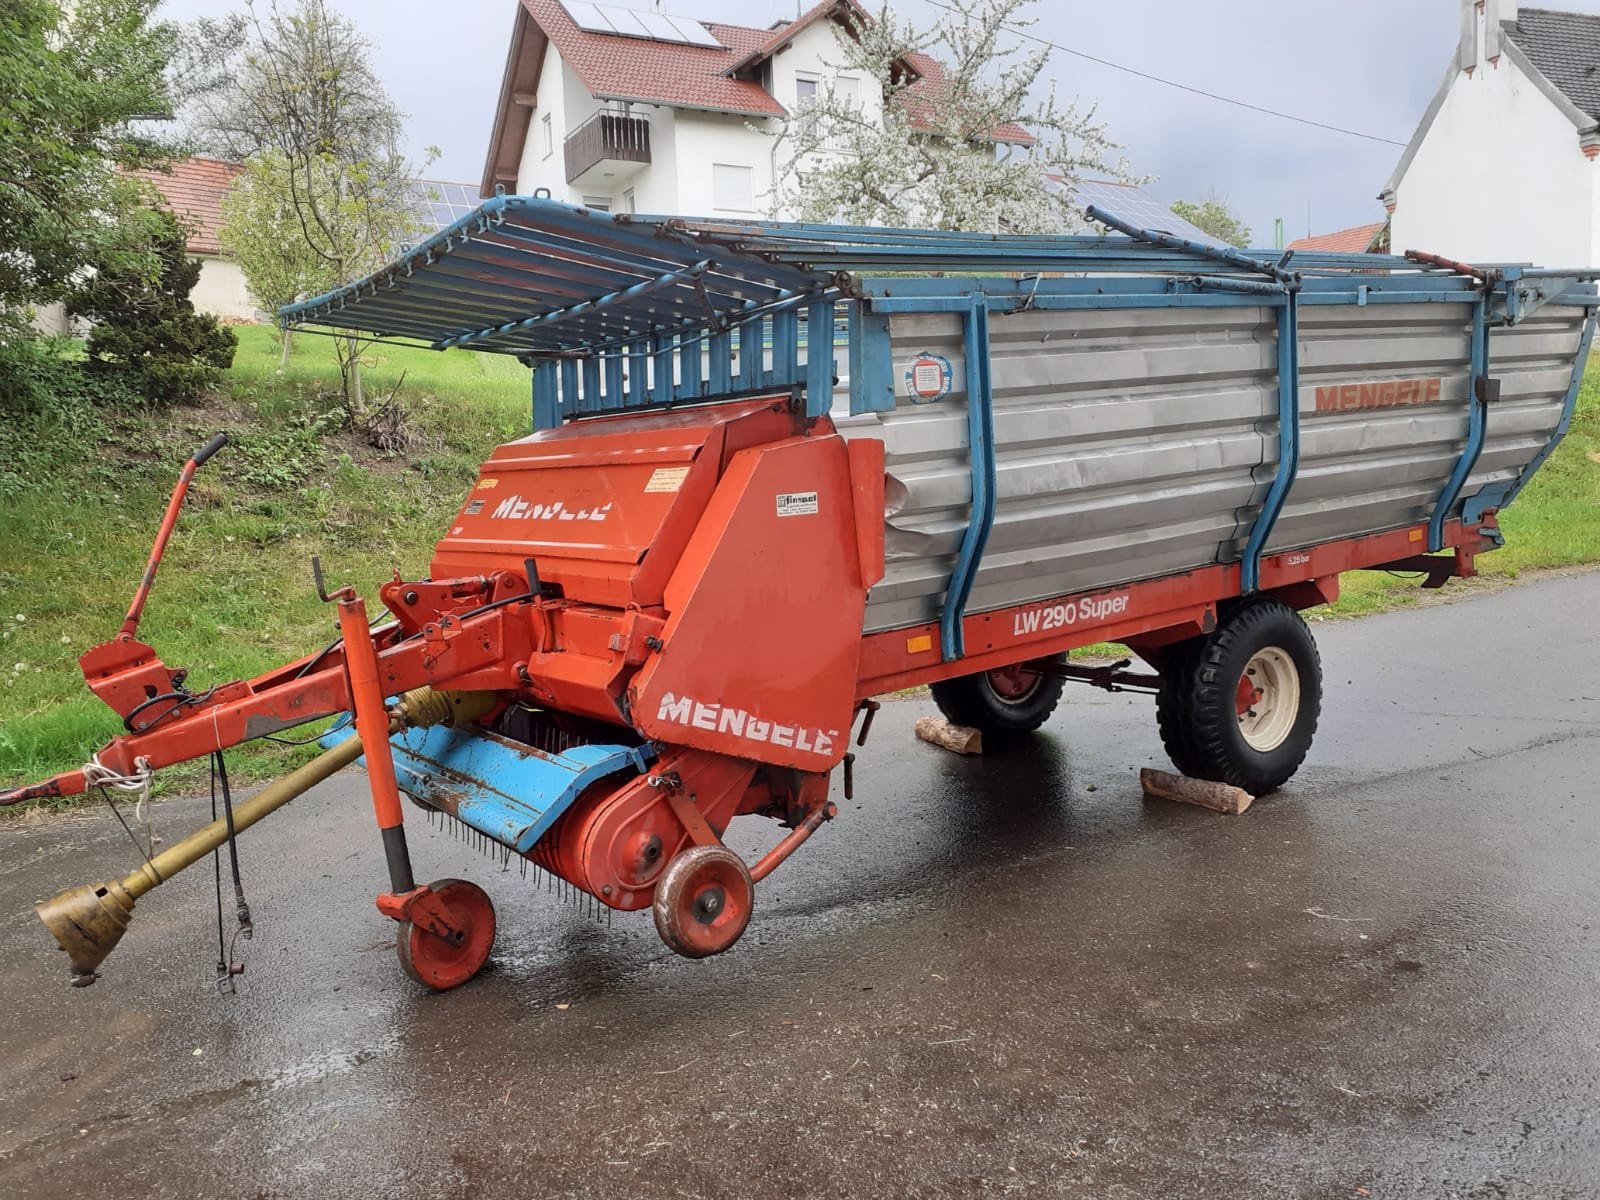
[(97, 774)]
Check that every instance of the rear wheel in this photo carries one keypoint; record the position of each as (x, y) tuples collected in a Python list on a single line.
[(1240, 705), (1004, 702)]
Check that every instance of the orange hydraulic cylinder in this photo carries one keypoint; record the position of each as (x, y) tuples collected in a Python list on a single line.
[(372, 719)]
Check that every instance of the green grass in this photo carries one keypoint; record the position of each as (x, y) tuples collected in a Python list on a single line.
[(81, 493)]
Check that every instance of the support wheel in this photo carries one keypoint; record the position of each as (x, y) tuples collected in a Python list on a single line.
[(1005, 702), (1240, 705), (438, 962), (703, 901)]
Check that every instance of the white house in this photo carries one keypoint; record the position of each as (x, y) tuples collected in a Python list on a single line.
[(630, 110), (1503, 166)]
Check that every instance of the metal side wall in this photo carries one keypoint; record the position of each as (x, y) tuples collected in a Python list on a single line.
[(1133, 443), (1126, 444)]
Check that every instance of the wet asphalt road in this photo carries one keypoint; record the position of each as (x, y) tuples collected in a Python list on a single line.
[(997, 975)]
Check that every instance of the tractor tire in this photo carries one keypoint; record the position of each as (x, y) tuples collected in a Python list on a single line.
[(1004, 703), (1240, 705)]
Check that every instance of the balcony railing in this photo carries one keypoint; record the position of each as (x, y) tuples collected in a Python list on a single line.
[(607, 136)]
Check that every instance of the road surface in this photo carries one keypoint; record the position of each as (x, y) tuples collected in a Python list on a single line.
[(992, 976)]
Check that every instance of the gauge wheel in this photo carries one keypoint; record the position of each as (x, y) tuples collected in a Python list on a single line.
[(703, 901), (444, 963)]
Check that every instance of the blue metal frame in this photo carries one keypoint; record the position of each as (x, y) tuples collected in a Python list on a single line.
[(619, 313), (1288, 444), (1477, 426), (980, 449), (1498, 495)]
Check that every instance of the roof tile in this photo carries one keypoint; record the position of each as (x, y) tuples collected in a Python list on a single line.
[(1565, 47), (193, 189), (1356, 240), (615, 67)]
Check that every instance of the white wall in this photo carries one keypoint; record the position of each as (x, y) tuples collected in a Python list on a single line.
[(685, 144), (536, 169), (221, 291), (1500, 177)]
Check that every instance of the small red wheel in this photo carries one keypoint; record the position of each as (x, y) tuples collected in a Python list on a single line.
[(703, 901), (441, 963)]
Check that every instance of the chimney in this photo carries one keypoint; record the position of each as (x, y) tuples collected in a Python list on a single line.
[(1482, 24)]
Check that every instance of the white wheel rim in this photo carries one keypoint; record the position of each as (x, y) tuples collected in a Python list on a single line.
[(1268, 698)]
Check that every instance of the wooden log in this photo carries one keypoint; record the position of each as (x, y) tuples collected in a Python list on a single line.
[(957, 738), (1218, 796)]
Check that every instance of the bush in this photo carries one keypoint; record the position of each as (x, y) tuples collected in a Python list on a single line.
[(147, 327), (34, 370)]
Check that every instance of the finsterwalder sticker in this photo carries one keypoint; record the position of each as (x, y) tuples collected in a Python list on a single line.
[(797, 504)]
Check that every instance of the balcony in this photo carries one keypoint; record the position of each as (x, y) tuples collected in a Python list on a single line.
[(608, 146)]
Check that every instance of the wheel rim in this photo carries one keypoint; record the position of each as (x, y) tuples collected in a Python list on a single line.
[(1014, 684), (703, 902), (1268, 698), (441, 964)]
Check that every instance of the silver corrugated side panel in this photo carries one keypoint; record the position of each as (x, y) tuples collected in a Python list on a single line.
[(1136, 443)]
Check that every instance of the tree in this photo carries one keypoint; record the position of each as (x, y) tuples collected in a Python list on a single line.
[(933, 157), (148, 327), (1213, 216), (90, 89), (260, 229), (308, 109)]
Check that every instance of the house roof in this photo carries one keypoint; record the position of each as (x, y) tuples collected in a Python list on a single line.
[(923, 96), (1559, 52), (193, 189), (614, 67), (1357, 239), (1565, 47), (783, 33), (714, 79)]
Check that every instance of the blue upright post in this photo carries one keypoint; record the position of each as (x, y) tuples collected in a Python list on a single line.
[(1477, 425), (980, 449), (1288, 442)]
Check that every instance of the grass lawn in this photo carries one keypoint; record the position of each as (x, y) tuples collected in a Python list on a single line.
[(82, 498), (81, 495)]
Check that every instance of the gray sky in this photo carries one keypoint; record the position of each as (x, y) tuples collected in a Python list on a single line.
[(1368, 65)]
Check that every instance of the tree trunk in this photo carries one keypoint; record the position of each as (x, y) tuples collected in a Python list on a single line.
[(288, 343)]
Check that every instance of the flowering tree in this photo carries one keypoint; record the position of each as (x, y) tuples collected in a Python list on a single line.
[(961, 141)]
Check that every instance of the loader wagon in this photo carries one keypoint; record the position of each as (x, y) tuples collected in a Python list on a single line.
[(778, 470)]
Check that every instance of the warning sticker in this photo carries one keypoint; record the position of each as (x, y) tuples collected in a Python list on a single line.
[(928, 378), (666, 479), (474, 507), (797, 504)]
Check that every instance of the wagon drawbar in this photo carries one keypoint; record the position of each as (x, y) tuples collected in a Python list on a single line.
[(780, 469)]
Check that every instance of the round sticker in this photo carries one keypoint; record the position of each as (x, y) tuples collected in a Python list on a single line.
[(928, 378)]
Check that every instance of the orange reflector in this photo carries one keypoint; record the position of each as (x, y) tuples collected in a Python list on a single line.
[(487, 483), (1416, 535), (918, 645)]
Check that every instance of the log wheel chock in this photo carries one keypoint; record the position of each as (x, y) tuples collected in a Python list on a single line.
[(703, 901), (446, 931)]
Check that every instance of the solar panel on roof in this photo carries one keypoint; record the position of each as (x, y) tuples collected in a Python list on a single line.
[(692, 32), (632, 22)]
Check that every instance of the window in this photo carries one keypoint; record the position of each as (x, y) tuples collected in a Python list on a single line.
[(627, 201), (598, 203), (805, 90), (549, 135), (733, 187), (847, 90)]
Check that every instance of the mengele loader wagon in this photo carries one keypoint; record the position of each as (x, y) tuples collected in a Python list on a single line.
[(780, 469)]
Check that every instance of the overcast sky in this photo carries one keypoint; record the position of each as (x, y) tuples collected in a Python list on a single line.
[(1367, 65)]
